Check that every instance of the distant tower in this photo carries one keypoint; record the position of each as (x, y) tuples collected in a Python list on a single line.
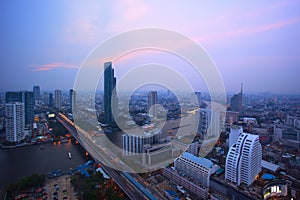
[(46, 98), (36, 92), (51, 99), (243, 161), (209, 120), (15, 121), (236, 102), (109, 86), (72, 99), (57, 99), (241, 89), (198, 96), (152, 100)]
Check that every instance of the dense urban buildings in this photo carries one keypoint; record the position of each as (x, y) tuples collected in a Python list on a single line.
[(243, 161), (109, 92), (15, 121)]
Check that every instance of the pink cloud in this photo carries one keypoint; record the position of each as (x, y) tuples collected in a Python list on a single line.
[(51, 66), (134, 9), (248, 30)]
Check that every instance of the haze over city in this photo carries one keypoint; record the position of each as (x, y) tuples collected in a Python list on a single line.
[(44, 43)]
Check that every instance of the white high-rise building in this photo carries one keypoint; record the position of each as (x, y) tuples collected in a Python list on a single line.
[(195, 167), (235, 132), (15, 121), (57, 99), (243, 161)]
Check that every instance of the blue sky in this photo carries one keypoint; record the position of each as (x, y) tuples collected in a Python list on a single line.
[(257, 42)]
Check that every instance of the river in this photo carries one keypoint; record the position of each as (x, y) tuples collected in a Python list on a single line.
[(43, 158)]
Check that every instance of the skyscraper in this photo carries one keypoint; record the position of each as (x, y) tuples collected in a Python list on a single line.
[(152, 100), (57, 99), (25, 97), (36, 92), (46, 98), (109, 86), (72, 95), (198, 96), (243, 161), (209, 120), (15, 121), (236, 102), (51, 99)]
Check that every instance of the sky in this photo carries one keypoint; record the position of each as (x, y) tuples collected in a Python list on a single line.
[(255, 42)]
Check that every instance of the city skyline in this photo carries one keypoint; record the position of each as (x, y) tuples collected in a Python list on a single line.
[(140, 99), (253, 43)]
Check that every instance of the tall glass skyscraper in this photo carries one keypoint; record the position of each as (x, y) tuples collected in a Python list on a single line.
[(57, 99), (36, 92), (109, 86)]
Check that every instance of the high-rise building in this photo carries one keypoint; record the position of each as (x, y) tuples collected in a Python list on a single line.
[(15, 121), (25, 97), (194, 167), (72, 95), (236, 102), (209, 120), (152, 100), (235, 132), (198, 96), (109, 92), (57, 99), (194, 148), (51, 99), (46, 98), (36, 92), (243, 161)]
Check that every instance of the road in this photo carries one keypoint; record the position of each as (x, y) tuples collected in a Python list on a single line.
[(132, 191)]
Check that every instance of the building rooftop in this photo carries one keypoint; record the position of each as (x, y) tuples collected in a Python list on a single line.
[(269, 165), (202, 161)]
